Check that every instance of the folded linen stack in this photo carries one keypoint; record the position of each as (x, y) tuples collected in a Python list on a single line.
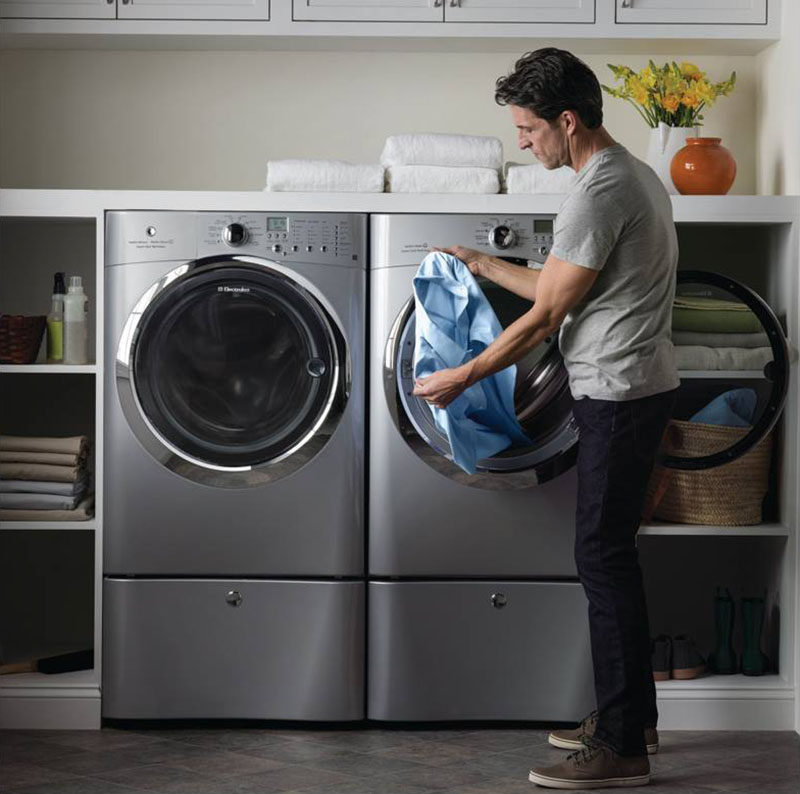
[(44, 479), (441, 163), (535, 178), (327, 176), (714, 334)]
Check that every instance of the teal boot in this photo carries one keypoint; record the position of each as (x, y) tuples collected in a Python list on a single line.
[(723, 659), (754, 662)]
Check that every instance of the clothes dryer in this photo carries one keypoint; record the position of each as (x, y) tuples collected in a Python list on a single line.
[(234, 440), (475, 609)]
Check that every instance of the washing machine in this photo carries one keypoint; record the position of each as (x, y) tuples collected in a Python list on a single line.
[(234, 465), (475, 609)]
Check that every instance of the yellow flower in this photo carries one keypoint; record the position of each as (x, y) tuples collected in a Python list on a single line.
[(690, 99), (638, 90), (670, 103), (705, 91), (649, 77), (691, 71)]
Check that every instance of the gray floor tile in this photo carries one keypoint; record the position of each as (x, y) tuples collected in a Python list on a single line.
[(429, 752), (78, 785), (167, 780), (365, 787), (436, 777), (290, 777), (294, 752), (225, 764), (222, 738), (14, 775)]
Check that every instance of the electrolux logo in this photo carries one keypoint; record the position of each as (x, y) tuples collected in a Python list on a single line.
[(233, 289)]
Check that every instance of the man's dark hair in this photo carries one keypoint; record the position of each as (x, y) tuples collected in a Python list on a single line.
[(550, 81)]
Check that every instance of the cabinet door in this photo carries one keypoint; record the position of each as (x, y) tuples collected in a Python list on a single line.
[(194, 9), (563, 11), (693, 12), (369, 10), (36, 9)]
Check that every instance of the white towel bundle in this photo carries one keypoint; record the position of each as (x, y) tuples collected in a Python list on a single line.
[(722, 358), (436, 148), (327, 176), (536, 178), (441, 179)]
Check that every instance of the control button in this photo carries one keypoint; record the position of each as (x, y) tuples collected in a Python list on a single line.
[(309, 248), (543, 250), (276, 248), (269, 235), (234, 234), (323, 248), (502, 237), (294, 248), (285, 235)]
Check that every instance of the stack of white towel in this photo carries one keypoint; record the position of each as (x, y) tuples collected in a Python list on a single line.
[(327, 176), (535, 178), (441, 163), (44, 479)]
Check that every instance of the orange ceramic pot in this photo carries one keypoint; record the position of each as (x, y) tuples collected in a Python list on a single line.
[(703, 167)]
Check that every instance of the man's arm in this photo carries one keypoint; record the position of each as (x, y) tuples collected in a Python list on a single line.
[(561, 286)]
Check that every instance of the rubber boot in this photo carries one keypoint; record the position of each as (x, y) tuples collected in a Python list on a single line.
[(723, 659), (754, 662)]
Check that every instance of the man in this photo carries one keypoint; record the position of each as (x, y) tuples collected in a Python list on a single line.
[(608, 284)]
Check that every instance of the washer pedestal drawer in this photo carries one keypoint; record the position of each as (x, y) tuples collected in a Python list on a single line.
[(479, 651), (233, 649)]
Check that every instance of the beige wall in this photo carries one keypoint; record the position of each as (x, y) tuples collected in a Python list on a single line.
[(211, 120), (778, 109)]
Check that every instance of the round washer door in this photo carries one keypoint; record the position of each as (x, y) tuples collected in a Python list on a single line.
[(544, 404), (542, 399), (231, 372)]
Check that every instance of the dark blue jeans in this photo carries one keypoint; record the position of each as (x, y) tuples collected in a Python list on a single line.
[(616, 452)]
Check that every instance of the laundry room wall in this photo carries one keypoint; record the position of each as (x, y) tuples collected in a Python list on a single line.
[(211, 120)]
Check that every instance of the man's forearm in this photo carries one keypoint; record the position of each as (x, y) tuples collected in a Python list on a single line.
[(515, 278), (513, 343)]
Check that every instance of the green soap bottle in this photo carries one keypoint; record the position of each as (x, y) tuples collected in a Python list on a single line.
[(55, 322)]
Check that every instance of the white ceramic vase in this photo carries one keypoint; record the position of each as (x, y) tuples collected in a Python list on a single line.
[(664, 142)]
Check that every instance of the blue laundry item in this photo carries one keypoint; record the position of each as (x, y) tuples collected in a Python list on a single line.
[(454, 324), (734, 408)]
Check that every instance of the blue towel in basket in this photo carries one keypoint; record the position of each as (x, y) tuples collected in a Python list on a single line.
[(454, 323)]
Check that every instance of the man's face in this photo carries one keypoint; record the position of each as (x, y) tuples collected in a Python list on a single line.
[(548, 142)]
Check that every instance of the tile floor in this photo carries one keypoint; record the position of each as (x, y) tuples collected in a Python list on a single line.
[(419, 760)]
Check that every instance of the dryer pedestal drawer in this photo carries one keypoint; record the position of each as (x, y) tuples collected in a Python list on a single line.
[(233, 649), (479, 651)]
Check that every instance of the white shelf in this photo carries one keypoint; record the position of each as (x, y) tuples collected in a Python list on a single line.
[(50, 369), (723, 374), (88, 524), (757, 530), (725, 686), (79, 679)]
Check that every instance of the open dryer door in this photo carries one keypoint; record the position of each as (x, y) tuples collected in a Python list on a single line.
[(232, 372), (544, 404)]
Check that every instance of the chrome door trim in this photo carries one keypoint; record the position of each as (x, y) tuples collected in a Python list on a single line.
[(196, 469), (499, 472)]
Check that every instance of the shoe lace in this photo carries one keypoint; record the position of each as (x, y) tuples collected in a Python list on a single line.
[(586, 753), (590, 720)]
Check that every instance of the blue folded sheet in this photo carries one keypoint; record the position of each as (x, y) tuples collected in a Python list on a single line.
[(455, 323), (734, 408)]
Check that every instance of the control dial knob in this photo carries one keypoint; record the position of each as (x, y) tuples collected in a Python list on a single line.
[(235, 234), (502, 237)]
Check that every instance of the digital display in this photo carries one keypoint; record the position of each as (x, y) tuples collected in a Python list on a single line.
[(276, 224), (542, 226)]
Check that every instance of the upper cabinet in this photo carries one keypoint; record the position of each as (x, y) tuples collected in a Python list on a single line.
[(552, 11), (36, 9), (369, 10), (693, 12), (136, 9)]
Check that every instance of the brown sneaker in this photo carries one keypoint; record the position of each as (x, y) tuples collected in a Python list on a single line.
[(595, 766), (574, 739)]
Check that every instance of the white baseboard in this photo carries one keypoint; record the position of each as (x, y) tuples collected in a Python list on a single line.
[(28, 712)]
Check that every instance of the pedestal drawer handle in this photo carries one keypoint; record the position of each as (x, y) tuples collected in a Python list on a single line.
[(234, 598), (499, 600)]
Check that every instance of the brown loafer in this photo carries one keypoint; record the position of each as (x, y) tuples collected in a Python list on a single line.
[(573, 739), (595, 766)]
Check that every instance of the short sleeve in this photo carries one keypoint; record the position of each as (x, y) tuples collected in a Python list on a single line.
[(586, 230)]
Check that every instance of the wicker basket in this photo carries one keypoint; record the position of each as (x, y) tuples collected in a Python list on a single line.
[(728, 495), (20, 338)]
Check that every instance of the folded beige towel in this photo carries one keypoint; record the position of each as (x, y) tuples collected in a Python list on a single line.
[(54, 458), (72, 445), (441, 179), (40, 471), (82, 512)]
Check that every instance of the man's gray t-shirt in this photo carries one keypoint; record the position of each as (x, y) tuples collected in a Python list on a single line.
[(617, 219)]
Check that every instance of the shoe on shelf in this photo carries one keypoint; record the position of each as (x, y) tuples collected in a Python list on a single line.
[(594, 766), (576, 738), (687, 661), (662, 657)]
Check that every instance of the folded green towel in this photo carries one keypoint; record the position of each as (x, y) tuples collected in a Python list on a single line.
[(711, 315)]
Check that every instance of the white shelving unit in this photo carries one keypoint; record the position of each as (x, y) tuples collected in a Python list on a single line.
[(767, 224)]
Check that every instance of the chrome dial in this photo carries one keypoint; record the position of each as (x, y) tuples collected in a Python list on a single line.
[(502, 237), (235, 234)]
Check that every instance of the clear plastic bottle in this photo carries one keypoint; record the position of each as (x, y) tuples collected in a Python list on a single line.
[(55, 322), (76, 310)]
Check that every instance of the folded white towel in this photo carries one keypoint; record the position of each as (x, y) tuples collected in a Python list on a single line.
[(537, 179), (437, 148), (441, 179), (716, 358), (326, 176)]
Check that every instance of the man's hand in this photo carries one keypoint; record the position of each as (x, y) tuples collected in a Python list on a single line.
[(443, 386), (474, 260)]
